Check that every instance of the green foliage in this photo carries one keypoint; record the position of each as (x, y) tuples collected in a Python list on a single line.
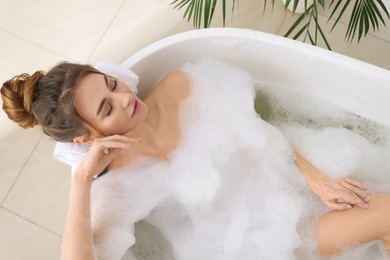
[(366, 15), (197, 9)]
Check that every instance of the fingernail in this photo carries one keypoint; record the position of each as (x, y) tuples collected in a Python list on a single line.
[(348, 206)]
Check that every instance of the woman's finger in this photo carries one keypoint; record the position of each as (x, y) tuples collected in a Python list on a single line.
[(356, 187), (360, 193), (348, 197), (117, 138), (339, 206), (353, 200), (115, 142), (356, 184), (104, 150)]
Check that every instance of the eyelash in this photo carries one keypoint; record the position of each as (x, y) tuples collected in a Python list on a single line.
[(115, 84), (109, 110), (113, 88)]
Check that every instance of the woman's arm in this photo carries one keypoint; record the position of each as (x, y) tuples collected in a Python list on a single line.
[(77, 239), (337, 194)]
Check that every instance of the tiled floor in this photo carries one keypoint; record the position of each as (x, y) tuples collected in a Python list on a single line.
[(35, 35)]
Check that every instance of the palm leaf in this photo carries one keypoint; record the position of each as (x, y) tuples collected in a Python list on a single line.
[(295, 5), (377, 10), (315, 12), (365, 15), (354, 21), (179, 5), (304, 28), (297, 22), (223, 12), (200, 11), (335, 9), (311, 39), (265, 5), (312, 14), (324, 38), (383, 7), (373, 18), (287, 4)]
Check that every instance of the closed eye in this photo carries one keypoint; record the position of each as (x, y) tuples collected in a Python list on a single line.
[(114, 84), (109, 110), (111, 84)]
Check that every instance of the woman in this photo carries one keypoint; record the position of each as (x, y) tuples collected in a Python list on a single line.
[(77, 103)]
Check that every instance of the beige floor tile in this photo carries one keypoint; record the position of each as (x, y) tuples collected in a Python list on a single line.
[(16, 146), (72, 28), (18, 56), (41, 191), (138, 24), (251, 14), (371, 49), (141, 23), (21, 240)]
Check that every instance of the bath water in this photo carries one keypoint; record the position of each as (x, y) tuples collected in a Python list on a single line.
[(281, 106)]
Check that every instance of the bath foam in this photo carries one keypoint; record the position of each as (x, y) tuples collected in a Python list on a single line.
[(230, 190), (338, 142)]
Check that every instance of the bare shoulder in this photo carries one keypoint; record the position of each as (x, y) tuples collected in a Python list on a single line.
[(176, 76), (175, 84)]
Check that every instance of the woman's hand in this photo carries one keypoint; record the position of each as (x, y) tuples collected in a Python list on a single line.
[(337, 194), (102, 152)]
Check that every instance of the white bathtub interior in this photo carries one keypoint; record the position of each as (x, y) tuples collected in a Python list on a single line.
[(355, 86)]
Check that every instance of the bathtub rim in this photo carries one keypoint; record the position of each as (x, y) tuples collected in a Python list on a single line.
[(362, 101), (251, 35)]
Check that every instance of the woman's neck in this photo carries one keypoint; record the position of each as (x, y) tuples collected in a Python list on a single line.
[(159, 134), (150, 137), (156, 134)]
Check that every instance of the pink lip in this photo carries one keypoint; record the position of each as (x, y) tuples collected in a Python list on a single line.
[(135, 110)]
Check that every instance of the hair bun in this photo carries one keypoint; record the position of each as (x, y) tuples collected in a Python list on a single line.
[(18, 96)]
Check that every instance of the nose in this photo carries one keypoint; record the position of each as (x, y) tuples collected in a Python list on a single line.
[(125, 99)]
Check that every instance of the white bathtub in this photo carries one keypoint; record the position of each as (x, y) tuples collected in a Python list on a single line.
[(356, 86)]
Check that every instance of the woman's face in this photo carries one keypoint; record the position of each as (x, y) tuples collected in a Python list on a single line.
[(109, 104)]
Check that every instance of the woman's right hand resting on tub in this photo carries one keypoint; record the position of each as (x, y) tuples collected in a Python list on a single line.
[(337, 194), (77, 239)]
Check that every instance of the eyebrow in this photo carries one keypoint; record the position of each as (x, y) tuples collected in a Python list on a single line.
[(104, 100)]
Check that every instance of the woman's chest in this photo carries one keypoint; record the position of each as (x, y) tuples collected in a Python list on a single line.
[(169, 130)]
